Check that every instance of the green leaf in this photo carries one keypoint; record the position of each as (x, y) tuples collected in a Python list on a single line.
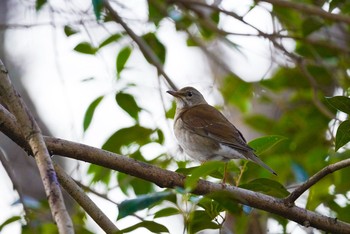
[(311, 24), (9, 221), (201, 220), (343, 134), (157, 47), (85, 48), (154, 14), (267, 186), (171, 112), (39, 4), (126, 137), (128, 104), (150, 225), (90, 112), (203, 170), (169, 211), (99, 174), (122, 58), (226, 200), (262, 144), (341, 103), (111, 39), (131, 206), (69, 31), (97, 4)]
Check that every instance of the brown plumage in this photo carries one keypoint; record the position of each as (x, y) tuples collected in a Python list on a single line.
[(205, 134)]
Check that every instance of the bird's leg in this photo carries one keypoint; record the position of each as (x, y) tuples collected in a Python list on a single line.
[(242, 169), (225, 174)]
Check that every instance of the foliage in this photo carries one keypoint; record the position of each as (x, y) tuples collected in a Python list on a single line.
[(304, 130)]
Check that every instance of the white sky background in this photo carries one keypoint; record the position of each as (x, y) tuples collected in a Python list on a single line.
[(54, 74)]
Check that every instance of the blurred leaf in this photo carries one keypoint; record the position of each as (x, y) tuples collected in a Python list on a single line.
[(169, 211), (69, 31), (299, 172), (128, 104), (157, 47), (262, 144), (90, 112), (267, 186), (150, 225), (226, 200), (200, 220), (112, 38), (127, 136), (9, 221), (99, 174), (343, 135), (171, 112), (39, 4), (203, 170), (97, 4), (85, 48), (154, 14), (131, 206), (311, 24), (341, 103), (237, 92), (122, 58)]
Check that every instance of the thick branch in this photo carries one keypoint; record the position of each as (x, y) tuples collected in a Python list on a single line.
[(144, 47), (314, 179), (169, 179), (84, 201), (32, 134)]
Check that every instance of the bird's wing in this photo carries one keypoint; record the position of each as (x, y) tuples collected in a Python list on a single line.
[(207, 121)]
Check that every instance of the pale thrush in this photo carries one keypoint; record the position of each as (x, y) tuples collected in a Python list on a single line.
[(205, 134)]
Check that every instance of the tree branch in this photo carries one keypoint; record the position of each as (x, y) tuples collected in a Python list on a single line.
[(309, 9), (31, 133), (144, 47), (169, 179), (84, 201), (314, 179)]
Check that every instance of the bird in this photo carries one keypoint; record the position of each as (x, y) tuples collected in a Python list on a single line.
[(205, 134)]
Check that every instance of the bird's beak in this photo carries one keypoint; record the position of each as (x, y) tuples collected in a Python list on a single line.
[(173, 93)]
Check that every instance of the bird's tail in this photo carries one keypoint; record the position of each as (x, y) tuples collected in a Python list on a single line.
[(258, 161)]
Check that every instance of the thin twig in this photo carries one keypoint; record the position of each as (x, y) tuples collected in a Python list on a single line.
[(144, 47), (84, 201), (314, 179), (31, 132)]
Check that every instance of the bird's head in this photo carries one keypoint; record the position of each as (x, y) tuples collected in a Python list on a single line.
[(187, 97)]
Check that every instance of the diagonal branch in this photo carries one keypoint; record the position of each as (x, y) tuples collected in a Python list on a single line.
[(170, 179), (31, 133), (314, 179), (84, 201), (144, 47)]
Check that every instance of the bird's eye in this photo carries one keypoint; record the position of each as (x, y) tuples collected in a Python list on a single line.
[(189, 94)]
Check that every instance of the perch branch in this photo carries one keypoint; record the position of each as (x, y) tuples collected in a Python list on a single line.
[(169, 179)]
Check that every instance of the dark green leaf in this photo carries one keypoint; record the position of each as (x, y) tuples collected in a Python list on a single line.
[(343, 134), (169, 211), (122, 58), (111, 39), (69, 31), (97, 4), (154, 14), (39, 4), (131, 206), (311, 24), (262, 144), (341, 103), (85, 48), (128, 136), (90, 112), (267, 186), (9, 221), (203, 170), (200, 220), (226, 200), (157, 47), (150, 225), (127, 103)]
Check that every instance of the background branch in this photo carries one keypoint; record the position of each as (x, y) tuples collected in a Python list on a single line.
[(32, 134)]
